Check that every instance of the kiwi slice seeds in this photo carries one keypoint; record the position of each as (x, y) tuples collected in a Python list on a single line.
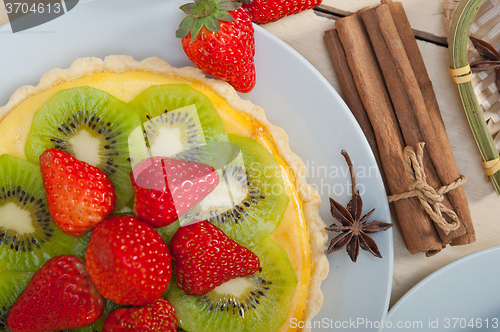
[(256, 303), (28, 236), (159, 100), (259, 190), (91, 125)]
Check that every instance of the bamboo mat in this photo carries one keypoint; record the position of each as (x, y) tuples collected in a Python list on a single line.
[(486, 26)]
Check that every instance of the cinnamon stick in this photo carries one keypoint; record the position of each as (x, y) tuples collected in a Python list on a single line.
[(403, 108), (429, 122), (349, 92), (373, 93), (450, 171)]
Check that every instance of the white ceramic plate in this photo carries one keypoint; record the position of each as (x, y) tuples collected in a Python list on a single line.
[(462, 296), (294, 95)]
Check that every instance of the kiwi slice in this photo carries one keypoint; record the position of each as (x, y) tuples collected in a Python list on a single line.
[(167, 232), (256, 303), (12, 284), (80, 246), (28, 236), (258, 191), (91, 125), (181, 129)]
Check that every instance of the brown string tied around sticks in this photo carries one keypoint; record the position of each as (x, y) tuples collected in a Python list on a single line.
[(430, 199)]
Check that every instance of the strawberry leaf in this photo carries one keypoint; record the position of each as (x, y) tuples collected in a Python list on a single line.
[(212, 24), (206, 13), (185, 27), (228, 6), (223, 16), (197, 25), (188, 8)]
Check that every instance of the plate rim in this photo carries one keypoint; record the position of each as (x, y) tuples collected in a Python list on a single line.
[(436, 274), (388, 238)]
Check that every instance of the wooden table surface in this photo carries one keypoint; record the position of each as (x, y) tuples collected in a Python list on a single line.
[(304, 32)]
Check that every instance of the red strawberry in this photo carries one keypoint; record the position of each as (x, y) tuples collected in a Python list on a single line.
[(157, 316), (59, 296), (79, 195), (206, 258), (128, 261), (266, 11), (218, 36), (166, 188)]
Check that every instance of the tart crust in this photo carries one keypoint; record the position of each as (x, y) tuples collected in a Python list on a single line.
[(310, 198)]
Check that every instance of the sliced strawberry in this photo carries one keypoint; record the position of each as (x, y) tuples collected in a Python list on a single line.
[(166, 188), (267, 11), (79, 195), (60, 296), (206, 258), (128, 261), (157, 316), (218, 36)]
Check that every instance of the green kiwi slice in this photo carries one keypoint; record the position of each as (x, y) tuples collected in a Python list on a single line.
[(259, 190), (12, 284), (91, 125), (28, 236), (256, 303), (156, 105), (167, 232)]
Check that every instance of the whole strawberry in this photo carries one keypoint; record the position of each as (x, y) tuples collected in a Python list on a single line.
[(267, 11), (218, 36), (156, 316), (166, 188), (128, 261), (206, 258), (59, 296), (79, 195)]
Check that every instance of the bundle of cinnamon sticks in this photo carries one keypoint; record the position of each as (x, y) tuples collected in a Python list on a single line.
[(385, 84)]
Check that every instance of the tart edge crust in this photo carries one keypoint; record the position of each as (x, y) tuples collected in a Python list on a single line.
[(318, 236)]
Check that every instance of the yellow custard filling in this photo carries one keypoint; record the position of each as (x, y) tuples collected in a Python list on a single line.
[(292, 233)]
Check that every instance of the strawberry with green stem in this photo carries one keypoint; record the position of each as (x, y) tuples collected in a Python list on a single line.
[(267, 11), (218, 37)]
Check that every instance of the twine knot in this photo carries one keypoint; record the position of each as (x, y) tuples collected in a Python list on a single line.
[(430, 198)]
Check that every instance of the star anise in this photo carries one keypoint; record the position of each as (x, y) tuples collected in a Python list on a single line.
[(354, 229), (491, 55)]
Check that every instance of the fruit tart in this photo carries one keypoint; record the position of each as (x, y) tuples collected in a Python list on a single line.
[(113, 114)]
